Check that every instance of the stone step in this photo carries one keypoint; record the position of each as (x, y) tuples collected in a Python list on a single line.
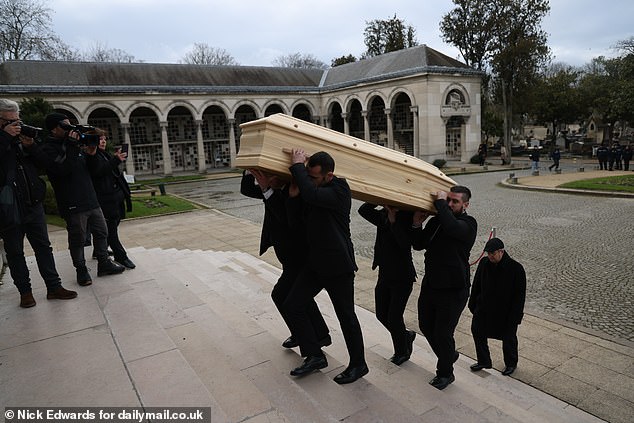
[(204, 321)]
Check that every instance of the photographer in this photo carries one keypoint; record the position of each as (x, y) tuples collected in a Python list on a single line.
[(113, 193), (18, 172), (65, 162)]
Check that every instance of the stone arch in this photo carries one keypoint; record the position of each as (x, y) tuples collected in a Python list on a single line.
[(248, 103), (160, 116), (105, 105), (354, 116), (335, 118), (216, 139), (402, 122), (274, 106), (221, 105), (377, 120), (456, 94), (108, 119), (145, 138), (246, 112), (182, 132), (185, 104), (303, 110), (74, 115)]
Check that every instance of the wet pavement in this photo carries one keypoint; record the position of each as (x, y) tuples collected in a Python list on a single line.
[(577, 250)]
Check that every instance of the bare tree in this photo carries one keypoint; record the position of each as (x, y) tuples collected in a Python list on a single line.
[(204, 54), (299, 60), (100, 52), (626, 46), (25, 32)]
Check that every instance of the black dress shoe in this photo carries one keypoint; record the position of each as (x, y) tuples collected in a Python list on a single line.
[(508, 370), (290, 343), (399, 359), (127, 263), (310, 364), (440, 382), (83, 277), (351, 374), (109, 267), (477, 367)]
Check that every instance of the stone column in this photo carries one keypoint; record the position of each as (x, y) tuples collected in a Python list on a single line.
[(346, 124), (202, 163), (167, 157), (324, 121), (366, 125), (416, 136), (233, 150), (129, 163), (390, 129)]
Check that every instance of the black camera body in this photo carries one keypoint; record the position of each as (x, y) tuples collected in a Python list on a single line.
[(29, 131), (85, 139)]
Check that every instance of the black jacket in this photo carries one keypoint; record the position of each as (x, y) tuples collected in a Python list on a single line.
[(326, 218), (393, 244), (447, 240), (18, 168), (289, 245), (111, 187), (66, 167), (498, 294)]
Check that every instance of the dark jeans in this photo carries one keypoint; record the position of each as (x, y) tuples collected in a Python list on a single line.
[(341, 292), (34, 227), (509, 343), (391, 299), (118, 251), (438, 314), (555, 165), (77, 225), (280, 292)]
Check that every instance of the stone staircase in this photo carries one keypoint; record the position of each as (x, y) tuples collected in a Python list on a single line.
[(198, 328)]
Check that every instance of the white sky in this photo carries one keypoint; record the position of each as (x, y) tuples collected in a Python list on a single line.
[(255, 32)]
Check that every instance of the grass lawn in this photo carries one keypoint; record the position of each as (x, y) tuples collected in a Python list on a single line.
[(143, 206), (611, 183)]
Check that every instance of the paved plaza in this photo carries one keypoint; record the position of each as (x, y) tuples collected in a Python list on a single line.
[(578, 250)]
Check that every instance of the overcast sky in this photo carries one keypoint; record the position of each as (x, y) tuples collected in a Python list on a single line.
[(255, 32)]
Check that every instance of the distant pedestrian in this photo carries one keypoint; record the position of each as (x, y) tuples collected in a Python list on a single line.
[(482, 153), (497, 303), (617, 154), (603, 154), (534, 156), (627, 156), (556, 156), (504, 155)]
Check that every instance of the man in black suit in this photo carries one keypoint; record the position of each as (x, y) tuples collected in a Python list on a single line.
[(289, 246), (329, 263), (447, 240)]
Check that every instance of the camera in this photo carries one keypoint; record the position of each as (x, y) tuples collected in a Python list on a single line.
[(29, 131), (85, 139)]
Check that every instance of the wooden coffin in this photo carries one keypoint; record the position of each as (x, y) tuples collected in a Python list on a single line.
[(375, 174)]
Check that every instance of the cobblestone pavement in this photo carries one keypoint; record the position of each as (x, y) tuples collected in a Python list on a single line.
[(577, 250)]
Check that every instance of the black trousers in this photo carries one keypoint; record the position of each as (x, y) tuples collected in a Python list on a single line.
[(391, 299), (340, 289), (118, 251), (77, 225), (438, 314), (280, 293), (509, 343), (34, 228), (555, 165), (603, 164)]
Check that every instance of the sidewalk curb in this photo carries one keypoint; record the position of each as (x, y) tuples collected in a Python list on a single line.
[(507, 184)]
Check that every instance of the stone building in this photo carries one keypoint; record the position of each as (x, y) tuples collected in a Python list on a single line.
[(418, 101)]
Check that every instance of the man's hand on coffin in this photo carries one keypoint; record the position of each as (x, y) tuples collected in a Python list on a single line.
[(261, 178), (298, 156), (440, 195), (391, 213), (419, 217)]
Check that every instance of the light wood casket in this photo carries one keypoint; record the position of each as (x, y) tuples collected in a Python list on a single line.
[(375, 174)]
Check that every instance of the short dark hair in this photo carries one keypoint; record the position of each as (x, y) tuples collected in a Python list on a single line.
[(461, 189), (324, 160)]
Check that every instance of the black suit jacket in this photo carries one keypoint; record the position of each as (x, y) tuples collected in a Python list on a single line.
[(326, 217), (447, 241), (393, 244)]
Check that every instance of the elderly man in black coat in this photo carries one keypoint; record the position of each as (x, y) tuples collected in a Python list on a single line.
[(497, 303)]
